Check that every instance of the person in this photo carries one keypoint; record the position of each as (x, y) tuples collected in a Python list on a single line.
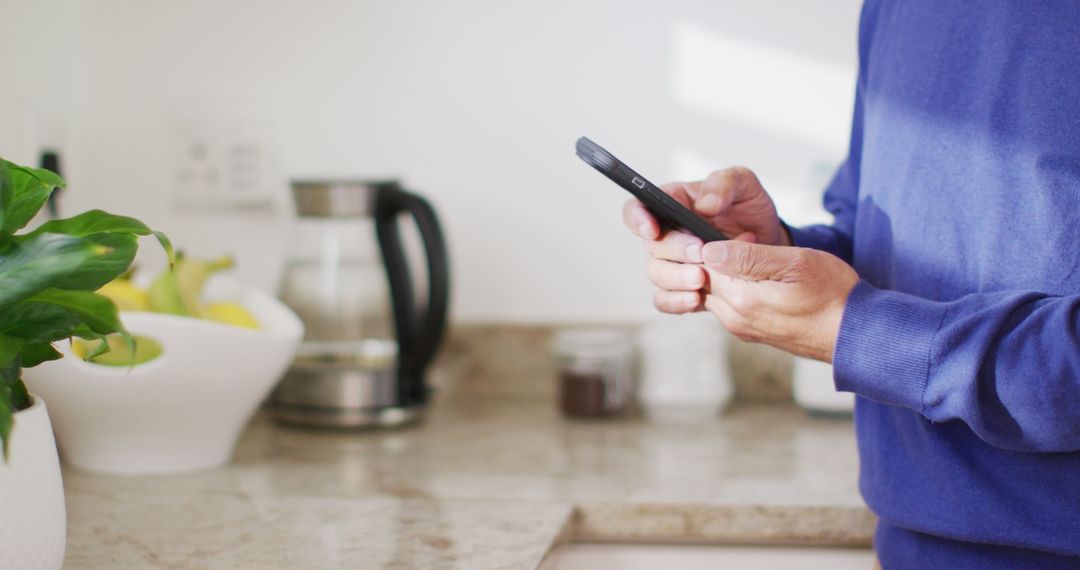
[(946, 293)]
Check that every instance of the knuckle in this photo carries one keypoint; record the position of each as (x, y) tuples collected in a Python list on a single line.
[(742, 173), (656, 272), (747, 259), (799, 262), (741, 302), (662, 300), (731, 174), (721, 179)]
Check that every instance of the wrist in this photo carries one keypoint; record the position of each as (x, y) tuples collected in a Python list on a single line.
[(832, 320)]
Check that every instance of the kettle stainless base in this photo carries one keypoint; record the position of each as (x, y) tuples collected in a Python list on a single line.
[(329, 396), (344, 418)]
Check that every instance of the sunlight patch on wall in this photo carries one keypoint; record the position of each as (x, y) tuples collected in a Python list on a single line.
[(788, 93)]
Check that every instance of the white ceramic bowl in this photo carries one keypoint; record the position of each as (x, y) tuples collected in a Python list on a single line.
[(185, 409)]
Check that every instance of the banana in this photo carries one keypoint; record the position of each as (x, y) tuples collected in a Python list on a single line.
[(177, 292), (126, 295), (231, 314), (164, 296), (191, 276)]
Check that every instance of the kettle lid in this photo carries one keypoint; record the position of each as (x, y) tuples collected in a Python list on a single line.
[(337, 198)]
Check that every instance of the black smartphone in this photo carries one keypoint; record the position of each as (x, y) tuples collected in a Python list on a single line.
[(667, 211)]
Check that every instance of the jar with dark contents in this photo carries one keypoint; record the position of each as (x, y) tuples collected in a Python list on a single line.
[(596, 369)]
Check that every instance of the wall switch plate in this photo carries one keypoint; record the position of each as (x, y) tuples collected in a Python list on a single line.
[(224, 165)]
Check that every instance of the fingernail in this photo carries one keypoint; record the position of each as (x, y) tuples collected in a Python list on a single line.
[(692, 278), (643, 230), (715, 253), (693, 252)]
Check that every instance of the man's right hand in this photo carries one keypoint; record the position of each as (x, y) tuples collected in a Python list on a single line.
[(733, 201)]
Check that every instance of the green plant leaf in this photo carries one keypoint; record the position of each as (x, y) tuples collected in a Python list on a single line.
[(119, 353), (44, 176), (13, 397), (9, 351), (38, 322), (101, 222), (41, 262), (7, 418), (6, 190), (98, 312), (100, 348), (97, 271), (26, 203), (93, 222), (20, 398), (83, 331), (30, 189), (34, 353), (39, 353), (9, 374), (166, 244)]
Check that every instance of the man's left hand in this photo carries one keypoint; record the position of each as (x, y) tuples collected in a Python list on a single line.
[(789, 297)]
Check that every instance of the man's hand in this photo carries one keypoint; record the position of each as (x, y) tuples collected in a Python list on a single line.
[(788, 297), (760, 289), (731, 199)]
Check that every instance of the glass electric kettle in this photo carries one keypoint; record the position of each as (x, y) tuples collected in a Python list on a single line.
[(368, 342)]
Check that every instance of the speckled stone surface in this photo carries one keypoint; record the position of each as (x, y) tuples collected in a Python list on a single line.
[(492, 479)]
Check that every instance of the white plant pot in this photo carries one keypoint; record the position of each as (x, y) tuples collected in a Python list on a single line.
[(33, 523), (185, 409)]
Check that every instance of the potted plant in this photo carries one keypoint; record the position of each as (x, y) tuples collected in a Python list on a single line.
[(47, 281)]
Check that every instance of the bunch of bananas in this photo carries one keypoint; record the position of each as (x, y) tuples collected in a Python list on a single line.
[(175, 292), (178, 292)]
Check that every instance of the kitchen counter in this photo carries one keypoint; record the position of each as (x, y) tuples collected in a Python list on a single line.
[(493, 479)]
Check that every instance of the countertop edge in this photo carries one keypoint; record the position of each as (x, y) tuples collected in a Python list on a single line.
[(720, 524)]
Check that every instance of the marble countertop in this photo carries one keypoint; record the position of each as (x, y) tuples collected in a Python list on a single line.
[(491, 480)]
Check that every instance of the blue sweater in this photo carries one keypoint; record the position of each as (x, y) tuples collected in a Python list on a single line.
[(957, 205)]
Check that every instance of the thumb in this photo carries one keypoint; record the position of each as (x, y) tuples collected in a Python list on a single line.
[(752, 261)]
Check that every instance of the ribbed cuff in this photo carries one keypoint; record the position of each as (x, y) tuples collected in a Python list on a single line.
[(883, 349), (807, 237)]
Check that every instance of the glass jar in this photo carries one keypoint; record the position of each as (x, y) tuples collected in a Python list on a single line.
[(596, 369)]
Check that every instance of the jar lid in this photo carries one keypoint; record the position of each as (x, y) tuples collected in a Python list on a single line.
[(592, 342)]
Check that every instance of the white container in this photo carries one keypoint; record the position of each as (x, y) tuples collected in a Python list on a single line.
[(33, 522), (815, 390), (685, 375), (185, 409)]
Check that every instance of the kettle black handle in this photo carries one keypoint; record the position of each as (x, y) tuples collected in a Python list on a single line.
[(418, 336)]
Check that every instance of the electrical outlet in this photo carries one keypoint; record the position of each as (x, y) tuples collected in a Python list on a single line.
[(223, 165)]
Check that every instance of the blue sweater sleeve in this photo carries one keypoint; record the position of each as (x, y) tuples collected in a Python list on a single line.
[(1006, 364)]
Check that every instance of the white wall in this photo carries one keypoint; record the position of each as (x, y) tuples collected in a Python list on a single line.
[(41, 77), (474, 103)]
